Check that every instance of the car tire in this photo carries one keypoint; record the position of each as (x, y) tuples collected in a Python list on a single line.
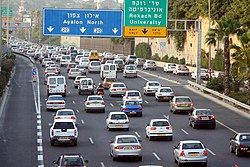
[(213, 126), (237, 152), (179, 164), (75, 143), (64, 94), (150, 138), (146, 94), (52, 143), (139, 158), (103, 110), (194, 126), (174, 112), (114, 158), (204, 164), (126, 129), (86, 110), (140, 114), (79, 93), (170, 138), (175, 161), (231, 148)]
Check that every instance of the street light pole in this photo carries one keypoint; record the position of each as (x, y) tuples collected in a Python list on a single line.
[(209, 22), (8, 23), (1, 55)]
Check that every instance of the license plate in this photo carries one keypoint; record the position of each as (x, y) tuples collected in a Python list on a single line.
[(95, 102), (56, 103), (118, 126), (194, 155), (165, 97), (128, 147), (205, 118), (133, 112), (133, 98), (64, 138), (160, 134), (184, 104), (248, 151)]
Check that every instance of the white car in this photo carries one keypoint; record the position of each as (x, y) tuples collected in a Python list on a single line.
[(149, 65), (151, 87), (169, 67), (49, 63), (117, 120), (130, 71), (204, 74), (77, 81), (50, 70), (190, 151), (159, 128), (66, 114), (94, 103), (55, 102), (74, 72), (94, 66), (78, 57), (181, 69), (117, 88), (133, 95), (164, 93)]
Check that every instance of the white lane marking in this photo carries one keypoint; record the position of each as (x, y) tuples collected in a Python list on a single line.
[(38, 116), (102, 164), (69, 92), (77, 111), (39, 121), (39, 133), (146, 101), (185, 131), (40, 157), (39, 127), (73, 102), (137, 134), (82, 121), (39, 141), (112, 105), (227, 127), (211, 151), (166, 116), (142, 77), (39, 148), (156, 156), (91, 140)]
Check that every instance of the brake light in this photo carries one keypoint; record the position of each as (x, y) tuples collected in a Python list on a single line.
[(187, 69), (197, 117), (212, 117), (154, 64), (103, 103), (139, 108), (126, 97), (204, 153), (137, 147), (75, 132), (191, 104), (110, 122), (153, 128), (65, 88), (127, 122), (148, 87), (72, 117), (169, 128), (140, 97), (125, 109), (63, 102), (52, 132), (179, 68), (159, 94), (175, 104), (119, 147), (182, 154), (48, 102), (124, 88), (58, 117), (113, 89)]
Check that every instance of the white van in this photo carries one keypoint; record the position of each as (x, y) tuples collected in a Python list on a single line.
[(108, 70), (84, 61), (86, 85), (65, 60), (56, 85)]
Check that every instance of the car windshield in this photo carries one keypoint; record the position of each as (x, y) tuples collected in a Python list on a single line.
[(203, 112), (118, 116), (64, 125), (127, 140), (203, 71), (183, 100), (118, 85), (95, 98), (72, 161), (143, 60), (55, 98), (132, 103), (65, 112), (133, 94), (52, 81), (245, 138), (154, 84), (165, 90), (72, 65), (160, 123), (187, 146), (111, 80), (130, 68)]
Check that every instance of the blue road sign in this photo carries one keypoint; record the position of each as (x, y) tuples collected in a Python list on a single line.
[(33, 72), (81, 22)]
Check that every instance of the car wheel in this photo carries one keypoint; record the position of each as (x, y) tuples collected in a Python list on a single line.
[(87, 111), (204, 164), (237, 152), (150, 138), (139, 158), (114, 158), (146, 94), (213, 126), (140, 114), (173, 111), (194, 126), (231, 148), (103, 110), (127, 129), (179, 163), (170, 138), (175, 161), (52, 143), (75, 143), (64, 94)]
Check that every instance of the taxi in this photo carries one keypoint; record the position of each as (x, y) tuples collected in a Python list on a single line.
[(108, 81)]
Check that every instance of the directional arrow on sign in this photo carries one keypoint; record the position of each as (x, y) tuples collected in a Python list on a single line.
[(82, 29), (144, 31), (50, 28), (115, 30)]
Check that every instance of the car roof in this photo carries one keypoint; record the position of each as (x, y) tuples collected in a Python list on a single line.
[(94, 96), (118, 83), (66, 109), (117, 112), (71, 155), (244, 133), (153, 82), (55, 96), (190, 141), (130, 100), (165, 87), (63, 120), (182, 97), (119, 136), (154, 120), (202, 109), (133, 91)]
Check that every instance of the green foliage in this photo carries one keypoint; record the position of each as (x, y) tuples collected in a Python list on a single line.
[(182, 61), (165, 58), (204, 59), (173, 59), (143, 50), (240, 96), (218, 62), (216, 84), (156, 57), (118, 40)]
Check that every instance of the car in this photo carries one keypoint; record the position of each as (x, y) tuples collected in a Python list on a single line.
[(50, 70), (66, 114), (58, 67), (94, 103), (139, 62), (108, 81), (93, 55), (190, 151), (204, 74), (57, 85), (82, 69), (149, 65), (218, 74), (74, 72), (65, 60), (119, 63), (159, 128), (117, 120), (240, 144), (133, 95), (78, 57), (71, 65), (181, 104), (45, 60), (202, 117), (63, 131), (94, 66), (181, 69), (46, 76), (49, 64), (86, 85), (77, 80), (72, 160), (109, 62), (118, 88), (84, 61), (131, 107), (125, 146), (246, 85), (169, 67), (151, 87), (130, 59), (164, 93), (129, 71), (55, 102)]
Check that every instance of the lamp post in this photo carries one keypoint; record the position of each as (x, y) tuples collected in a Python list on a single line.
[(1, 36), (8, 23), (209, 22)]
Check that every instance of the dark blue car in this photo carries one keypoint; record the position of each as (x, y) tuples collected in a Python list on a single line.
[(132, 107), (202, 117)]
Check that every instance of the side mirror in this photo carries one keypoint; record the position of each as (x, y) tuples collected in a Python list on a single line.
[(54, 114), (175, 147), (140, 141), (50, 124), (111, 141), (54, 162), (86, 161), (147, 124)]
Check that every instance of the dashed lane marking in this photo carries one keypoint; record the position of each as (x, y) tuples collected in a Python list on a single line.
[(82, 121), (102, 164), (156, 156), (73, 102), (142, 77), (211, 151), (166, 116), (91, 140), (137, 134), (185, 131), (77, 111), (146, 101), (112, 105)]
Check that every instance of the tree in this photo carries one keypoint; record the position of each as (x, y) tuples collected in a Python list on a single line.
[(224, 28), (143, 50), (242, 56)]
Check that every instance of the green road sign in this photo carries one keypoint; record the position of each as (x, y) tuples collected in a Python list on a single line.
[(145, 13), (4, 11)]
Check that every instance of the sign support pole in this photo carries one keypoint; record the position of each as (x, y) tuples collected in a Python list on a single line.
[(8, 22), (1, 55)]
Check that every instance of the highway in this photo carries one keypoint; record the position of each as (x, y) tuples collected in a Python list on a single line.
[(19, 125)]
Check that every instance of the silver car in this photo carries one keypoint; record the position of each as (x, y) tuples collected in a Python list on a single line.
[(125, 146), (190, 151), (94, 103), (94, 66), (181, 104), (117, 88), (117, 120), (55, 102), (74, 72), (151, 87)]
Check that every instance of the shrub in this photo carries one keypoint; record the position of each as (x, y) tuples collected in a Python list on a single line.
[(156, 57), (218, 61), (182, 61), (173, 59), (240, 96), (165, 58), (216, 84), (143, 50)]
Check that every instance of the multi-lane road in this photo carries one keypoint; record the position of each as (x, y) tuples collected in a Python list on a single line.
[(20, 144)]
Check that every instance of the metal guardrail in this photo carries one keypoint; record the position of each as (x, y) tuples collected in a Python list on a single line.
[(229, 99)]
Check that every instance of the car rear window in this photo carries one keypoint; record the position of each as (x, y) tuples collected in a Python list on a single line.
[(245, 138), (183, 100), (64, 125), (132, 57), (165, 90), (118, 62), (187, 146), (111, 80), (112, 67), (60, 81), (203, 112), (160, 123), (72, 161), (133, 94), (74, 70), (127, 140), (65, 113), (52, 81), (130, 68), (95, 98), (55, 98), (132, 103), (118, 85), (95, 63), (106, 67), (154, 84), (118, 116)]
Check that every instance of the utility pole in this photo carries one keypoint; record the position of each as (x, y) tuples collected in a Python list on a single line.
[(209, 22), (1, 52), (8, 23)]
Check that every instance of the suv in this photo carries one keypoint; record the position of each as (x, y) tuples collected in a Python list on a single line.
[(63, 130), (119, 63), (130, 59), (71, 160)]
